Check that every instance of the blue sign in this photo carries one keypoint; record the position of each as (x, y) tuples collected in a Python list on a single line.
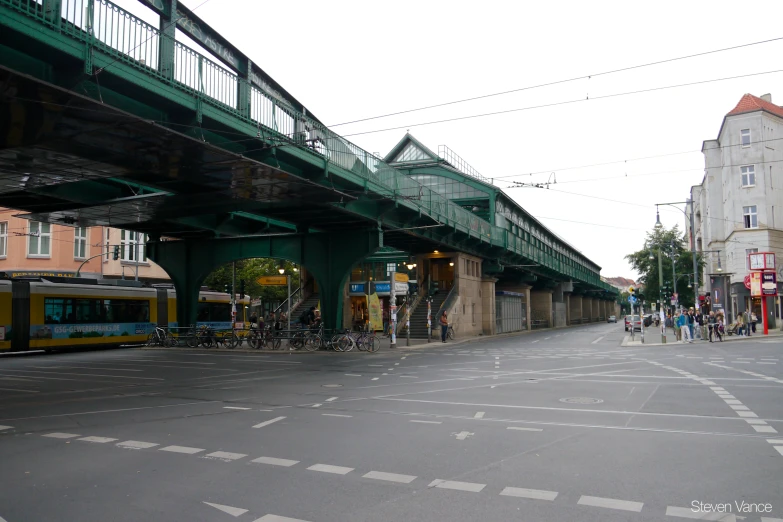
[(383, 288), (356, 288), (631, 299)]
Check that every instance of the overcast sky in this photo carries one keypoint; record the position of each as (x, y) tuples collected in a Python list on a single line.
[(351, 60)]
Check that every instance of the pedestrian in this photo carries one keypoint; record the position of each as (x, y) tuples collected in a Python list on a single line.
[(719, 318), (691, 321), (700, 322), (711, 324), (685, 333), (253, 320), (753, 321), (741, 327), (444, 326)]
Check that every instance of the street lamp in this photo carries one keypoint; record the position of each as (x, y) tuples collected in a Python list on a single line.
[(281, 270)]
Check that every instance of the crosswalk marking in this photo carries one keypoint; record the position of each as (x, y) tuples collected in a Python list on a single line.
[(226, 455), (391, 477), (610, 503), (326, 468), (58, 435), (275, 462), (98, 439), (182, 449), (537, 494), (136, 444), (460, 486)]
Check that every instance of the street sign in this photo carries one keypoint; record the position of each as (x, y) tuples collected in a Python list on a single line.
[(402, 278), (755, 284), (769, 284), (747, 281), (272, 280), (631, 299)]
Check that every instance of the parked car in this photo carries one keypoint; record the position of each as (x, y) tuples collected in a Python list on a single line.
[(648, 320), (612, 319), (634, 320)]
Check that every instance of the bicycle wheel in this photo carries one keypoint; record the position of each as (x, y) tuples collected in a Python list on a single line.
[(361, 343), (345, 343), (192, 340), (230, 340), (373, 344), (152, 339), (253, 340), (274, 342), (450, 333), (312, 342)]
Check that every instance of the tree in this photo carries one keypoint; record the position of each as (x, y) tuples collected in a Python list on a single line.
[(250, 270), (672, 248)]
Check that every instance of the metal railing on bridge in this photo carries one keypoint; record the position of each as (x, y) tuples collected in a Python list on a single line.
[(135, 42)]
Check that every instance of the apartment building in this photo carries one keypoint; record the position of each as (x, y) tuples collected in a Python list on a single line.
[(737, 207), (31, 248)]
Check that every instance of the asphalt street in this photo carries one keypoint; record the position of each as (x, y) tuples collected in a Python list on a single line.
[(548, 426)]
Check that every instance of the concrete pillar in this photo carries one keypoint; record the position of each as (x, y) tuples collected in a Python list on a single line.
[(541, 308), (575, 306), (559, 305), (488, 326), (567, 299), (594, 317)]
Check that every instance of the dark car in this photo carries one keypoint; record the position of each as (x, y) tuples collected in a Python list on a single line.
[(648, 320)]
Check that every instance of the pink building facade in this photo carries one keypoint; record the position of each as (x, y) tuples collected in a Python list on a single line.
[(30, 248)]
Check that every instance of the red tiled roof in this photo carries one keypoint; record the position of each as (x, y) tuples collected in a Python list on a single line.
[(750, 103)]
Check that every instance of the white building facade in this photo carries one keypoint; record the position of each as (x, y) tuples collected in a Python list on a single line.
[(739, 205)]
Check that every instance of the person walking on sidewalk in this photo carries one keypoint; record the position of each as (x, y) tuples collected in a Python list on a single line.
[(444, 326), (691, 321), (682, 322), (753, 321)]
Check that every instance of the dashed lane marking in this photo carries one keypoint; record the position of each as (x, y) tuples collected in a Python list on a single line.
[(233, 511), (391, 477), (332, 399), (326, 468), (6, 428), (426, 422), (235, 408), (136, 444), (352, 374), (517, 428), (267, 423), (610, 503), (537, 494), (58, 435), (225, 455), (479, 415), (335, 415), (182, 449), (286, 463), (318, 405), (459, 486), (100, 440)]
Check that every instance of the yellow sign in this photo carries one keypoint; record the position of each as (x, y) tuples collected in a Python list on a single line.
[(374, 308), (755, 284), (272, 280), (402, 278)]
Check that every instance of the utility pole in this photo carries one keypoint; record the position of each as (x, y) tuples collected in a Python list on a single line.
[(661, 313), (136, 254), (393, 307), (233, 294)]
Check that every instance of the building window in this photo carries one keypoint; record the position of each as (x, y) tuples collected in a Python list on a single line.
[(750, 217), (80, 242), (3, 239), (390, 267), (745, 138), (40, 239), (128, 248), (749, 251), (748, 173)]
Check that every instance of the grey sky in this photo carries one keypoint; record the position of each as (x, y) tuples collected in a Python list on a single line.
[(351, 60)]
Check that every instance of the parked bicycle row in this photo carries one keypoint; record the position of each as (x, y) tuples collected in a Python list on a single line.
[(309, 339)]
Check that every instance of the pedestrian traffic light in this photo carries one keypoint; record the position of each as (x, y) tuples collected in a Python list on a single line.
[(241, 288), (116, 252)]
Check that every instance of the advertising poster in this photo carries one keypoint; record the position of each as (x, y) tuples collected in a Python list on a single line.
[(376, 315), (83, 331)]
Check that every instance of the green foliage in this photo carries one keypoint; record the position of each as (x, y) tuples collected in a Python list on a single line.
[(665, 241), (250, 270)]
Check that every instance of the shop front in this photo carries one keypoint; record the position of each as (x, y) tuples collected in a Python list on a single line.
[(357, 293)]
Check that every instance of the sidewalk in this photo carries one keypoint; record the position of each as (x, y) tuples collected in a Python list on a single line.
[(652, 337)]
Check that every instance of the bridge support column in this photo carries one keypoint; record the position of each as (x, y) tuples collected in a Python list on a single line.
[(587, 309), (328, 257), (575, 309), (596, 303), (559, 304), (488, 323), (541, 308)]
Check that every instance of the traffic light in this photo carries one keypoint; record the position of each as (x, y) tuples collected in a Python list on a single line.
[(116, 252), (225, 288), (241, 288)]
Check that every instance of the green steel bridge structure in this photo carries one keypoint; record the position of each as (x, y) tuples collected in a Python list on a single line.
[(106, 118)]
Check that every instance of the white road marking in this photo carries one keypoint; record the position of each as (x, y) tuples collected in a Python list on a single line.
[(352, 375), (747, 414), (87, 368), (136, 444), (765, 362), (267, 423), (460, 486), (318, 405), (225, 455), (755, 421), (682, 512), (779, 448), (732, 401), (391, 477), (537, 494), (765, 429), (331, 399), (181, 449), (97, 439), (479, 415), (463, 435), (523, 429), (58, 435), (335, 415), (598, 340), (534, 342), (769, 519), (375, 378), (775, 441), (275, 462), (739, 408), (88, 375), (611, 503), (326, 468), (112, 411), (235, 408), (6, 428), (278, 518), (233, 511), (426, 422)]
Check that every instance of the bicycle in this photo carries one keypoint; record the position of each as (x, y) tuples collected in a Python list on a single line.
[(450, 333), (160, 338)]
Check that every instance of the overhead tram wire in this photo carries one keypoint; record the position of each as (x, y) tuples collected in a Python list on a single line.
[(564, 102), (558, 82)]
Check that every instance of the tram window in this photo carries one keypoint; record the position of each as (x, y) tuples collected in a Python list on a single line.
[(202, 315), (54, 310), (220, 312), (127, 311)]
